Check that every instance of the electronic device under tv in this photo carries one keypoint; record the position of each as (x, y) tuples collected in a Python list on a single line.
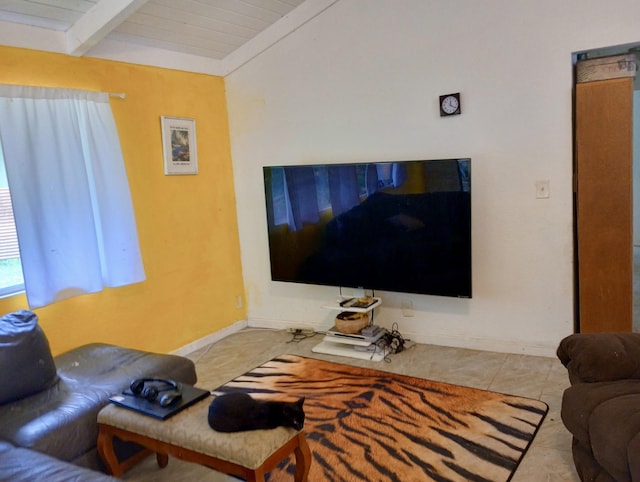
[(402, 226)]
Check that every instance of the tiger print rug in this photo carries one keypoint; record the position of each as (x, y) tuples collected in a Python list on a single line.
[(370, 425)]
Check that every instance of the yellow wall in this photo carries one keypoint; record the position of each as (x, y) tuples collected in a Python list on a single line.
[(187, 225)]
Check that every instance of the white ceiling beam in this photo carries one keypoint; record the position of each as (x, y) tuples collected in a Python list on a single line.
[(96, 24), (285, 26), (30, 37), (110, 49)]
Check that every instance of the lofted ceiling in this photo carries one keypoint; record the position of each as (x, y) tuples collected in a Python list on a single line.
[(211, 36)]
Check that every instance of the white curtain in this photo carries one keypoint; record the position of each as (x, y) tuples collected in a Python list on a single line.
[(344, 190), (72, 206), (302, 196)]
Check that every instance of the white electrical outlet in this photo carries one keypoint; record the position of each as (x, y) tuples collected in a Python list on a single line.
[(407, 308)]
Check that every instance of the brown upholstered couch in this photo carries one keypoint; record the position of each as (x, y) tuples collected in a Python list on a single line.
[(601, 408)]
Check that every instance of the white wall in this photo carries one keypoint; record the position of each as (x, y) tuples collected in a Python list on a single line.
[(360, 82)]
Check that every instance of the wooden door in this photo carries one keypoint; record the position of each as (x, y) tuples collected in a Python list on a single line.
[(604, 112)]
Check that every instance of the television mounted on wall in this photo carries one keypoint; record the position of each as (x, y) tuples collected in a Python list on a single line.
[(401, 226)]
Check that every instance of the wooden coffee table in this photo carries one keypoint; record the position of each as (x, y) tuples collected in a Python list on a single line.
[(187, 436)]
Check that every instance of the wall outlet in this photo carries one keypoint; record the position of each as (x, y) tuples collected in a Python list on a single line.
[(407, 308)]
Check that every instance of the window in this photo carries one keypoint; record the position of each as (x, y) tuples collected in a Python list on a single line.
[(11, 280), (69, 193)]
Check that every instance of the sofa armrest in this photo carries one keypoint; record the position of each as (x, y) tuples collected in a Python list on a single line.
[(633, 449), (23, 465), (600, 357)]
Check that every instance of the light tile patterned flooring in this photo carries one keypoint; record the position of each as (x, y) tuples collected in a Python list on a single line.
[(548, 458)]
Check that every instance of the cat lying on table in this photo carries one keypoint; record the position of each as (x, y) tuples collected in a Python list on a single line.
[(238, 411)]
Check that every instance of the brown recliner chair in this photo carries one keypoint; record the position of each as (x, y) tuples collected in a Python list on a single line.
[(601, 408)]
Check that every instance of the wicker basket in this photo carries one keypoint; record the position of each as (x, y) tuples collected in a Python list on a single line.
[(351, 322)]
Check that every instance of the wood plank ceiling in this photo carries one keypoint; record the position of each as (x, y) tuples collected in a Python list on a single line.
[(211, 29)]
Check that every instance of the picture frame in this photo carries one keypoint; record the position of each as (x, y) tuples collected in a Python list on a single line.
[(179, 145)]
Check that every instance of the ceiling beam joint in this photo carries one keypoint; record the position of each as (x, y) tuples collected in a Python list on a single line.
[(97, 23)]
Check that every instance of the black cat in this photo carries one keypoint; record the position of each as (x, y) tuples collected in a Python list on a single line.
[(237, 412)]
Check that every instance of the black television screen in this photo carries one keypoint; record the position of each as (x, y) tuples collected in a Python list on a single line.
[(400, 226)]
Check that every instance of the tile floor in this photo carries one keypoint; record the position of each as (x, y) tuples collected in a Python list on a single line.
[(548, 458)]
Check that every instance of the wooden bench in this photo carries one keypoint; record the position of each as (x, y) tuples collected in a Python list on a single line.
[(187, 436)]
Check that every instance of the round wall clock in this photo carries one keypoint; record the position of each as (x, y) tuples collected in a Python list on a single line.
[(450, 104)]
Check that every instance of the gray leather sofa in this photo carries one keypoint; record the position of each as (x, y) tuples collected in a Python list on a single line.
[(49, 405), (24, 465)]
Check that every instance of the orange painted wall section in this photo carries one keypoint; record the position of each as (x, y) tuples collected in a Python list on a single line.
[(187, 224)]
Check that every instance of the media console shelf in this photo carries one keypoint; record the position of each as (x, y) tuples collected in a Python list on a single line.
[(341, 349), (351, 345), (339, 307)]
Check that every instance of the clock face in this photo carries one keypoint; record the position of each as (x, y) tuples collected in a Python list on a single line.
[(449, 104)]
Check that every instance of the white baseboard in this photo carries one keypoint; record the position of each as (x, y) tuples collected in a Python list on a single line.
[(282, 325), (212, 338), (483, 344)]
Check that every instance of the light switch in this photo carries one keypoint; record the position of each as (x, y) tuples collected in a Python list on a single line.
[(542, 189)]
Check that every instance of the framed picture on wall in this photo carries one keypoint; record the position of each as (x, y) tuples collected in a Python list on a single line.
[(179, 145)]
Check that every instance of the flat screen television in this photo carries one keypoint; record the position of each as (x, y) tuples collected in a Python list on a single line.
[(402, 226)]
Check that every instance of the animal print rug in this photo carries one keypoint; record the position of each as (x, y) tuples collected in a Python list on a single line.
[(369, 425)]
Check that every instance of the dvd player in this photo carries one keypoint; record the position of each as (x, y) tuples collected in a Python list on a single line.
[(352, 338)]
